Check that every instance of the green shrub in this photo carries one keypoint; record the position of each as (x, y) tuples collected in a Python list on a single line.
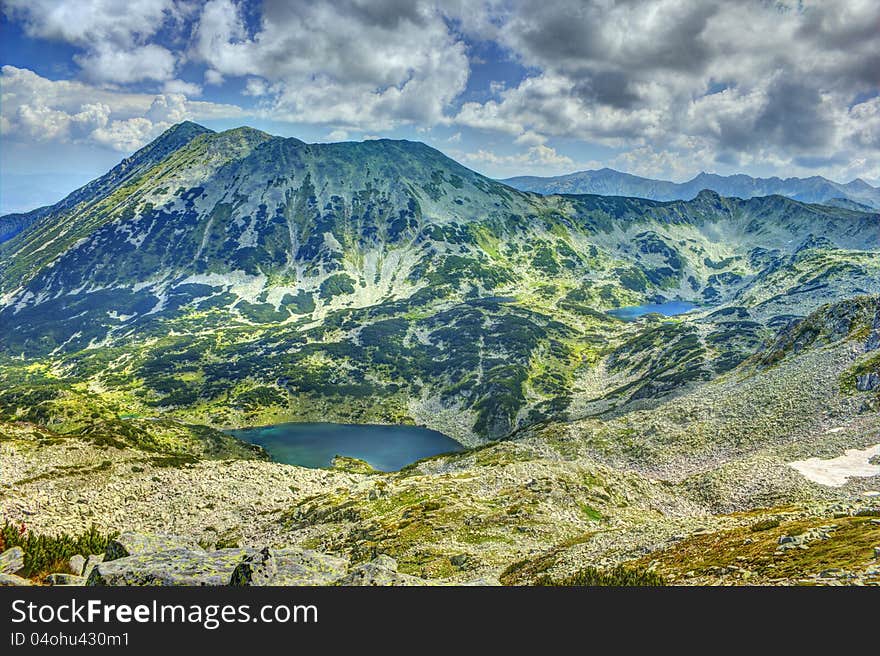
[(44, 554), (619, 576)]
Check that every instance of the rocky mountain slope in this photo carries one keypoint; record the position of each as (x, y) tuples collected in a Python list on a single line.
[(232, 279), (237, 278), (815, 189), (702, 488)]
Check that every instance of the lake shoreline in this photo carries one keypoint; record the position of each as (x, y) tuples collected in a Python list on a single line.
[(385, 447)]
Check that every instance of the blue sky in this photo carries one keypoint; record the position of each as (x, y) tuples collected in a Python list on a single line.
[(661, 88)]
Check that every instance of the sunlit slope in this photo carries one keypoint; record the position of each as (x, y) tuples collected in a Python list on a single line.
[(235, 278)]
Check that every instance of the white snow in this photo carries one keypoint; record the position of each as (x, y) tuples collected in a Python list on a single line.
[(835, 472)]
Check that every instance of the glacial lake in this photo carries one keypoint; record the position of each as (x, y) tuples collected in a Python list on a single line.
[(669, 309), (386, 448)]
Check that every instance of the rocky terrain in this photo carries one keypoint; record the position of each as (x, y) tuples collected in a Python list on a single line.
[(219, 280), (149, 559)]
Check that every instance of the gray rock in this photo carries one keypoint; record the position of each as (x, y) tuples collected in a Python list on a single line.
[(873, 341), (483, 582), (380, 571), (13, 580), (386, 561), (132, 544), (92, 560), (65, 579), (288, 567), (12, 560), (868, 382), (77, 564), (178, 566), (459, 560), (876, 552)]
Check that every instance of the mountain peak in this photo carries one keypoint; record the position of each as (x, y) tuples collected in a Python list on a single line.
[(708, 194), (188, 125), (184, 129)]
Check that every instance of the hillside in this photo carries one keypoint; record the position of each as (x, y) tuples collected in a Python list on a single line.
[(234, 279)]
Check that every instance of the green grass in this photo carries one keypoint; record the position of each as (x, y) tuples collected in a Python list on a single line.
[(591, 513)]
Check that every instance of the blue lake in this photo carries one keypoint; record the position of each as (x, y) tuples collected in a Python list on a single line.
[(669, 309), (386, 448)]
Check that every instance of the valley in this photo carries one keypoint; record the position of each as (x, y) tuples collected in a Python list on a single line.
[(218, 281)]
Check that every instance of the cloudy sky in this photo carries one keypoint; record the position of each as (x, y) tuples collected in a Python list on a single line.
[(662, 88)]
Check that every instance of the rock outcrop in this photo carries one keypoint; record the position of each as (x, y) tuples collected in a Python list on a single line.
[(12, 560), (380, 571), (132, 544), (158, 560), (13, 580), (289, 566), (175, 566)]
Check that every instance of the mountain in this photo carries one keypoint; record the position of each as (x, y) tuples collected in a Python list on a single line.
[(230, 279), (236, 278), (128, 170), (606, 181)]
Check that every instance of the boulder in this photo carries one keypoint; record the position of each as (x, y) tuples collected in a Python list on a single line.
[(868, 382), (12, 560), (380, 571), (290, 566), (13, 580), (173, 567), (65, 579), (91, 561), (486, 581), (132, 544), (77, 564)]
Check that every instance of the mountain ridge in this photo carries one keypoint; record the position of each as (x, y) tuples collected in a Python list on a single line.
[(242, 278), (814, 189)]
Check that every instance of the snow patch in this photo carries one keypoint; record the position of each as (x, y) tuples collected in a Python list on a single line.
[(835, 472)]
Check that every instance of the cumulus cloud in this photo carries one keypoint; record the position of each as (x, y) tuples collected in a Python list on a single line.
[(672, 86), (728, 81), (39, 109), (540, 158), (113, 34), (352, 64), (182, 87)]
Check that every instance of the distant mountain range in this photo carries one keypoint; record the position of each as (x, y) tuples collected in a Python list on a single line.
[(857, 194)]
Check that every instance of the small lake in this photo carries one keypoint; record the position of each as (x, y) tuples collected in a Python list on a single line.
[(386, 448), (669, 309)]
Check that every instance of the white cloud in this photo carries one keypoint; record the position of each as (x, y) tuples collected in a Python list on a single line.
[(256, 87), (149, 62), (113, 34), (718, 83), (359, 65), (671, 86), (182, 87), (540, 160), (38, 109), (214, 78), (337, 135)]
